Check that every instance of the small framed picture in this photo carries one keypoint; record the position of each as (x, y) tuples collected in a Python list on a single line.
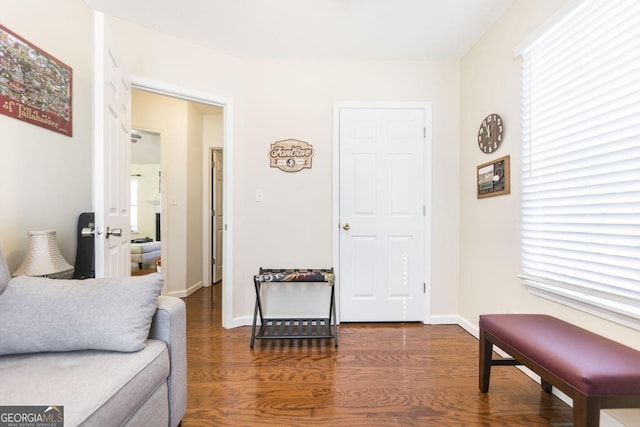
[(493, 178)]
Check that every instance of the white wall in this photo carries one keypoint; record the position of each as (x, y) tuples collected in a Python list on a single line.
[(294, 99), (272, 100), (147, 193), (35, 194), (490, 228), (475, 242)]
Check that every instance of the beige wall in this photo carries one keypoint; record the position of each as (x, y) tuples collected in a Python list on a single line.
[(35, 194), (490, 228), (294, 99), (276, 100), (168, 117), (213, 129), (182, 126), (475, 242), (272, 100)]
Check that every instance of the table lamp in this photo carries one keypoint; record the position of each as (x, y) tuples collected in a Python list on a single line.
[(43, 257)]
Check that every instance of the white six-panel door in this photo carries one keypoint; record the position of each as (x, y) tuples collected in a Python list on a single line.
[(112, 103), (382, 214)]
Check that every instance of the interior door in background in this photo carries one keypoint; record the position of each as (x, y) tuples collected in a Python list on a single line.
[(112, 109), (382, 214), (217, 218)]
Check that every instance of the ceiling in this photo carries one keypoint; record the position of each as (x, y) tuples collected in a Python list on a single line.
[(146, 149), (433, 30)]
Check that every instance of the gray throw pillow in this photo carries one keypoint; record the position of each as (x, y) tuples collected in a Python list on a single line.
[(5, 276), (40, 314)]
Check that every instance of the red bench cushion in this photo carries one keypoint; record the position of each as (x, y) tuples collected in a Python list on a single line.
[(592, 364)]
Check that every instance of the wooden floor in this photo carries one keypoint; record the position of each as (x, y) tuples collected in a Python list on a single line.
[(135, 271), (380, 375)]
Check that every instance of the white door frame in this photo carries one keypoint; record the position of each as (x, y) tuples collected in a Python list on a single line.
[(162, 88), (427, 107)]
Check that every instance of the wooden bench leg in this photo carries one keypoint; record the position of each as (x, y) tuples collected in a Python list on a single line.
[(486, 351), (586, 411)]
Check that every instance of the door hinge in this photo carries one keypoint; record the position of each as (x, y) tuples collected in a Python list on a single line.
[(424, 132), (424, 210), (424, 288), (213, 261)]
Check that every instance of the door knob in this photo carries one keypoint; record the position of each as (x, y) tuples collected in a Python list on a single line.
[(114, 232), (346, 226), (89, 231)]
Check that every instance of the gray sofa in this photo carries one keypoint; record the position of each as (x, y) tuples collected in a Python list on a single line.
[(110, 352)]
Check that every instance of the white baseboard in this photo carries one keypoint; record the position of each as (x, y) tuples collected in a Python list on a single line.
[(607, 420), (185, 293), (443, 319), (242, 321)]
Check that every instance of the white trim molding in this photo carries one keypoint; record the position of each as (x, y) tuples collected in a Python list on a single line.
[(607, 306)]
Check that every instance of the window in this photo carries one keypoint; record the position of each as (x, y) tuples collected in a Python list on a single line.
[(134, 205), (581, 161)]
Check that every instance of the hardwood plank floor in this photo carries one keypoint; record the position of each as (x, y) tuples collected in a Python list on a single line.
[(405, 374)]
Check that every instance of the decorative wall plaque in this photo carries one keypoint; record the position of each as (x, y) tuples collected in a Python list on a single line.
[(34, 86), (290, 155)]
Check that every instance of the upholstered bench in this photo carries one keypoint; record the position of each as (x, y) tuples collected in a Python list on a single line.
[(596, 372)]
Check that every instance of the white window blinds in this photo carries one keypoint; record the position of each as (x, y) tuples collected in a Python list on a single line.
[(581, 161)]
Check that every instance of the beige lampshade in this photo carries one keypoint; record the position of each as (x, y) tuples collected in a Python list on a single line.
[(43, 257)]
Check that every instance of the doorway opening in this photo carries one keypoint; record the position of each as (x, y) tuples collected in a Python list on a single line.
[(186, 187), (145, 206)]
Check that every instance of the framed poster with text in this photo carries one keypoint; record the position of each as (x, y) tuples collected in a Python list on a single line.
[(493, 178), (34, 86)]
